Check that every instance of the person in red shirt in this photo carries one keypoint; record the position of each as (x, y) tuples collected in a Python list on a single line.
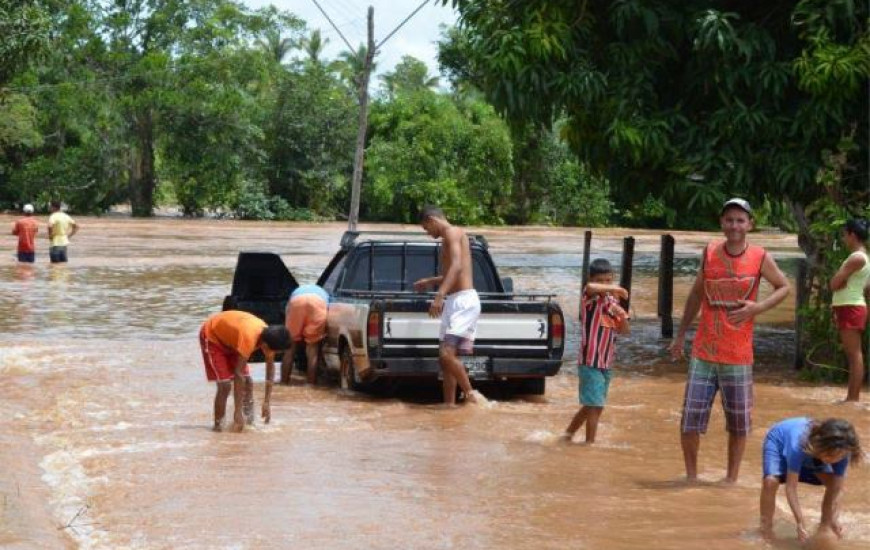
[(26, 229), (228, 339)]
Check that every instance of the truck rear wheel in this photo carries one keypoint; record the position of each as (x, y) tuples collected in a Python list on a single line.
[(349, 378)]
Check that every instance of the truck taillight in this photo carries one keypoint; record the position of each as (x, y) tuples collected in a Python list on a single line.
[(374, 329), (557, 330)]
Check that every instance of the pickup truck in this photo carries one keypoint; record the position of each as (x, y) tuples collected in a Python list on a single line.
[(378, 327)]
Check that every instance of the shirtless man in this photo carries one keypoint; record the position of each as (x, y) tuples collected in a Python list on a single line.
[(456, 302)]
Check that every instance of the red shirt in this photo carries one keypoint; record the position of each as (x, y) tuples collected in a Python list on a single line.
[(26, 229), (598, 332)]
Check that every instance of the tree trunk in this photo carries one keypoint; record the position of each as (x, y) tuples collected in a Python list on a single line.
[(142, 177)]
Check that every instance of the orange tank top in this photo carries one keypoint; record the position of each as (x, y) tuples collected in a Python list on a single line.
[(727, 279)]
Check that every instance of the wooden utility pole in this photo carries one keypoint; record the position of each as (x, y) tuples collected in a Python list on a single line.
[(359, 156)]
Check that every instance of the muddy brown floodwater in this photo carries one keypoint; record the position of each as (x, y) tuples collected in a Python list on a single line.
[(105, 440)]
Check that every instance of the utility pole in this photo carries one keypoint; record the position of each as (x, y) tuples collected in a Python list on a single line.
[(358, 157)]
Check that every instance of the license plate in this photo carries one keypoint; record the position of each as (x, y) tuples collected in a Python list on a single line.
[(477, 367)]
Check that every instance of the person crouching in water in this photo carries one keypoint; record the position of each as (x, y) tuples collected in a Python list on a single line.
[(807, 451), (602, 318), (228, 339), (305, 319)]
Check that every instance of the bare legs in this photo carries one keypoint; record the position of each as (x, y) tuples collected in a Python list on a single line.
[(588, 415), (454, 373), (221, 395), (851, 340), (287, 363), (691, 443), (767, 504), (312, 353)]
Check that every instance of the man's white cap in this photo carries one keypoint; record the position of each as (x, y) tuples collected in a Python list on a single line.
[(28, 209)]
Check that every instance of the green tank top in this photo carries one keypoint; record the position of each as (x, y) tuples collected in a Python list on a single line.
[(853, 293)]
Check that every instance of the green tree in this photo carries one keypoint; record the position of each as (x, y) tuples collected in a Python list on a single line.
[(686, 100), (427, 147), (409, 75)]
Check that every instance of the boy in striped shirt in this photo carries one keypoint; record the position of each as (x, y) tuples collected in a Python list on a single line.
[(602, 318)]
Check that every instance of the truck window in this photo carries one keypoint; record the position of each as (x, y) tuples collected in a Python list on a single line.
[(482, 274)]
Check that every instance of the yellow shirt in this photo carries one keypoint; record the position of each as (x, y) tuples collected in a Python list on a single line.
[(60, 225), (853, 293)]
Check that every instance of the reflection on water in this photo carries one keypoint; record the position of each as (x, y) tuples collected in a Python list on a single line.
[(106, 416)]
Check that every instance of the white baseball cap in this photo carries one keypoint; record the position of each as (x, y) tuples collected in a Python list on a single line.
[(737, 202), (28, 209)]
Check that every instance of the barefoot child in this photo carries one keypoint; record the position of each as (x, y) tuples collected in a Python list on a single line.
[(807, 451), (601, 317)]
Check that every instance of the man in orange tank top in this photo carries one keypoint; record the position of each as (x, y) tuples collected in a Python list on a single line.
[(725, 292)]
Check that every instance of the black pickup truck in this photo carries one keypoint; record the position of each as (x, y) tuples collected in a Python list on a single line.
[(378, 327)]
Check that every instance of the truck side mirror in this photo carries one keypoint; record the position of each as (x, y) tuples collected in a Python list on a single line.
[(508, 284)]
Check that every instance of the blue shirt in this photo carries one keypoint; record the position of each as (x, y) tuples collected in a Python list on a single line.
[(790, 436), (310, 289)]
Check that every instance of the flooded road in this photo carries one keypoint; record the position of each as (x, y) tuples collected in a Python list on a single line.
[(105, 436)]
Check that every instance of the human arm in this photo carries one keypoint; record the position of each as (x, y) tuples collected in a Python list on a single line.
[(266, 412), (601, 288), (74, 228), (422, 284), (238, 394), (791, 485), (693, 306), (15, 228), (749, 309), (829, 506), (852, 264)]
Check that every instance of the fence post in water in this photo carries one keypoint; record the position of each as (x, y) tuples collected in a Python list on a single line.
[(587, 245), (666, 286), (625, 275), (799, 302)]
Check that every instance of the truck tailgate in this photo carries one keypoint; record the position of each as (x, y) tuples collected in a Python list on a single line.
[(491, 327)]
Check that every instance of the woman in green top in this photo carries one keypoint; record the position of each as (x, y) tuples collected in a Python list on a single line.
[(850, 305)]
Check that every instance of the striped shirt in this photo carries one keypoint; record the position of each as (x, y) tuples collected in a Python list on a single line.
[(599, 331)]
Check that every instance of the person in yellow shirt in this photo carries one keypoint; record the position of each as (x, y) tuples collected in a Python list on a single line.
[(227, 340), (849, 303), (61, 228)]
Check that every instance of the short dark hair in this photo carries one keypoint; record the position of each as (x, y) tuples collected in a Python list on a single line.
[(858, 227), (277, 337), (600, 266), (55, 204), (430, 211)]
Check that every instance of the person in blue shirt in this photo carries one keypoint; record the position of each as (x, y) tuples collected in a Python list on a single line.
[(305, 318), (807, 451)]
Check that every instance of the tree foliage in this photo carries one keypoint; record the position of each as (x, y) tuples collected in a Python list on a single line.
[(690, 101)]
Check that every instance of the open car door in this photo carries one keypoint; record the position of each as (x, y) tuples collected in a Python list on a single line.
[(261, 285)]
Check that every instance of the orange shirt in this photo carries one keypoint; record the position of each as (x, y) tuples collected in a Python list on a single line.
[(727, 279), (26, 229), (238, 330)]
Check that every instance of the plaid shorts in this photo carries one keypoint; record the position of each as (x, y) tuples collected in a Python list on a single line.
[(705, 379)]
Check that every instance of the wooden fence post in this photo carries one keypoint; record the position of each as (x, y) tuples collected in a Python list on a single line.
[(666, 286), (587, 245), (625, 275)]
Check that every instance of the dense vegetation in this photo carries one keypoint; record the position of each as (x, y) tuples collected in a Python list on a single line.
[(213, 107)]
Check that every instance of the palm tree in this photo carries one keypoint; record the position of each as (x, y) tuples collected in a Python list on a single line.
[(275, 46), (410, 74), (350, 66), (313, 46)]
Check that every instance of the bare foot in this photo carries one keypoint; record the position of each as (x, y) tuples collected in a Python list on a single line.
[(566, 438), (218, 427)]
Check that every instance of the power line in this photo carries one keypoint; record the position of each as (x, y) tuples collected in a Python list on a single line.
[(394, 31), (334, 26)]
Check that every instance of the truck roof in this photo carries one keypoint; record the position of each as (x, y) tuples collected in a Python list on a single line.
[(352, 238)]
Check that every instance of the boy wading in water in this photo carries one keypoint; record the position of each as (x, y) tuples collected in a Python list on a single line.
[(802, 450), (456, 302), (227, 340), (601, 317), (725, 292)]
